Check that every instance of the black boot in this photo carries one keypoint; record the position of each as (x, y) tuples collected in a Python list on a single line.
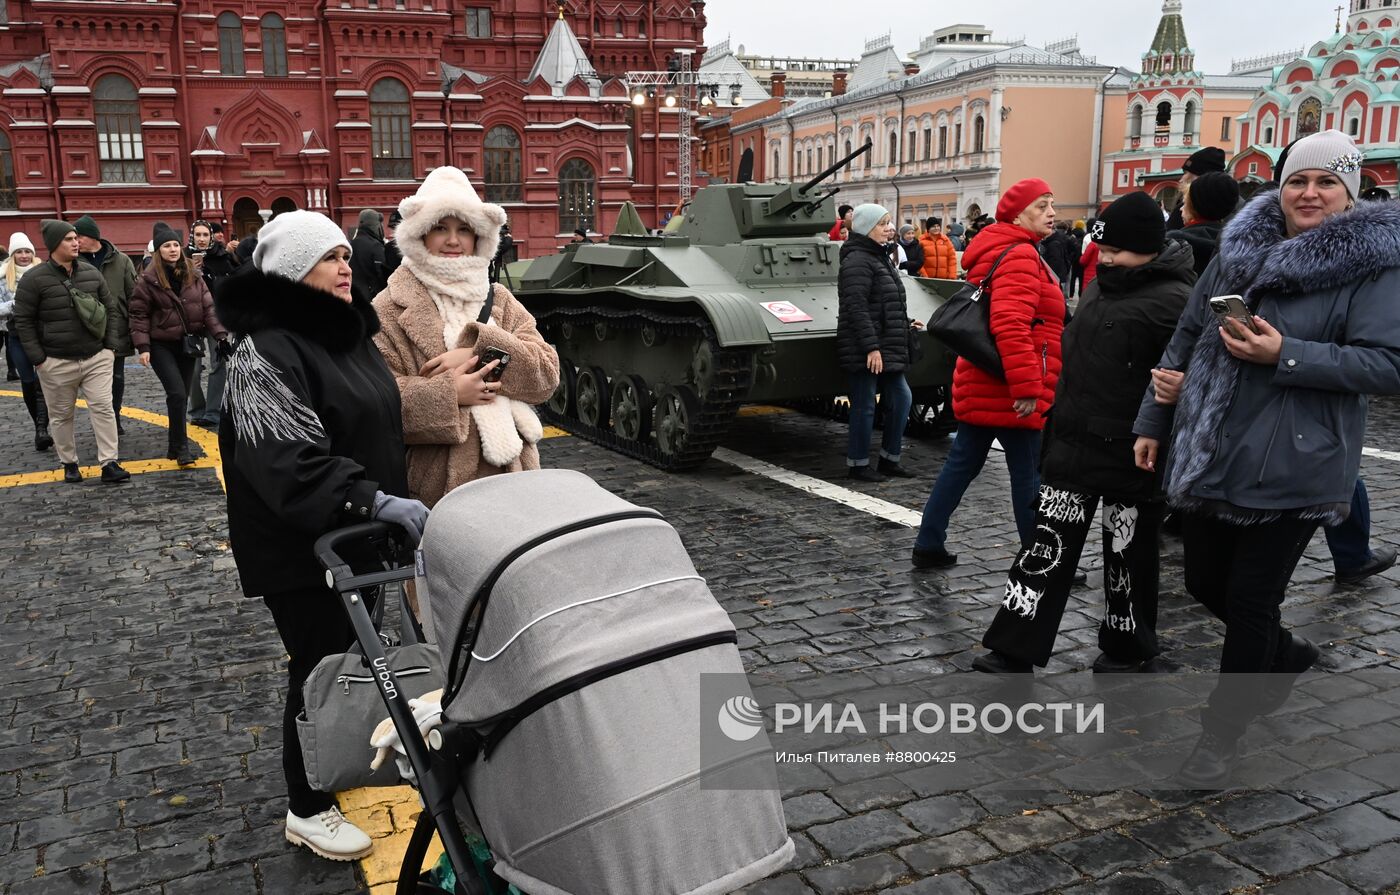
[(1210, 763), (39, 412), (993, 662), (178, 448)]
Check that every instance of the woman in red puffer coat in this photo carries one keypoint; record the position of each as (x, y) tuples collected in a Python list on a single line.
[(1027, 317)]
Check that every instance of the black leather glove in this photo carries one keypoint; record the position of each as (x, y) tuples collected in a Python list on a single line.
[(410, 515), (224, 349)]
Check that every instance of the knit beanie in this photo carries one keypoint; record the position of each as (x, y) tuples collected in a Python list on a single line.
[(292, 243), (1328, 151), (1213, 196), (1133, 223), (1205, 161), (1021, 196), (20, 241), (54, 232), (866, 217), (446, 192), (162, 233), (86, 226)]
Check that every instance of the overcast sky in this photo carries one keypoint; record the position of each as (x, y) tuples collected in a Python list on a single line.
[(1117, 33)]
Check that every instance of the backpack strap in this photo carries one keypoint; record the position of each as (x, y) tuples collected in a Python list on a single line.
[(490, 302)]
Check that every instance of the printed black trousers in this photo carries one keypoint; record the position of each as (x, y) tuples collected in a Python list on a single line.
[(1037, 589)]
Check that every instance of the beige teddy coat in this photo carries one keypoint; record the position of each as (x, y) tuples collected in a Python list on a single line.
[(443, 450)]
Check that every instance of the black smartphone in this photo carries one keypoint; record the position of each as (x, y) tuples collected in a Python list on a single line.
[(497, 371)]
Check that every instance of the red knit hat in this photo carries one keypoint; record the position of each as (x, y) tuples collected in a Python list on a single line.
[(1020, 197)]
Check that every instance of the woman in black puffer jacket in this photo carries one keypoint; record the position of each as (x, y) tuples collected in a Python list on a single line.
[(872, 342)]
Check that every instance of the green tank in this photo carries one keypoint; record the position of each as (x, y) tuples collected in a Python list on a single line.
[(661, 339)]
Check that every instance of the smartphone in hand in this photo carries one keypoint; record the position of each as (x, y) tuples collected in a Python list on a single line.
[(1232, 307), (497, 371)]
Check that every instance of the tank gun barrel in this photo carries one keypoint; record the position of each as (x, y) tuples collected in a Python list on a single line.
[(837, 166), (795, 196)]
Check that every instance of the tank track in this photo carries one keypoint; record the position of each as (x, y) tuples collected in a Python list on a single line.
[(729, 381)]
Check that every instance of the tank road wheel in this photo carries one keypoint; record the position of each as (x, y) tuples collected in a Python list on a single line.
[(676, 411), (631, 408), (591, 397), (562, 401)]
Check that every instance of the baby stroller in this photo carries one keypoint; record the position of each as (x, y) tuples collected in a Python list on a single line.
[(575, 631)]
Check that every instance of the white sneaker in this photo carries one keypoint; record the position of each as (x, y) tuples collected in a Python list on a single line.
[(329, 835)]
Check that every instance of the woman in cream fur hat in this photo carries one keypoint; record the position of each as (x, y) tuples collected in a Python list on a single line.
[(458, 425)]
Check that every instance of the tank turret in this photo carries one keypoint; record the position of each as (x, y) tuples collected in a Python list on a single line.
[(663, 337)]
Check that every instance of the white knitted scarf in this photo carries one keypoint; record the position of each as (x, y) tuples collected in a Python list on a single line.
[(458, 287)]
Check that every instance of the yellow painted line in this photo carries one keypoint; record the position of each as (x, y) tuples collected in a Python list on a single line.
[(763, 410), (555, 432), (208, 442), (387, 814)]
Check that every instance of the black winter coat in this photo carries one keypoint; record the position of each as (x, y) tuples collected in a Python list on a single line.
[(48, 324), (312, 426), (914, 255), (1123, 324), (1058, 251), (218, 265), (1204, 240), (873, 314), (368, 276)]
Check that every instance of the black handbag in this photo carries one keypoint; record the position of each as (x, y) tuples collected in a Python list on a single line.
[(963, 323), (191, 345)]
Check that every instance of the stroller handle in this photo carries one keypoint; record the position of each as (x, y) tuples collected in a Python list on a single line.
[(328, 544)]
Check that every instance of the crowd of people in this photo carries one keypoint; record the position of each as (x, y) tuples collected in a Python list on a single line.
[(1218, 366)]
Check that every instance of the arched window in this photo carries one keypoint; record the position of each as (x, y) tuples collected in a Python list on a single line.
[(848, 147), (1135, 121), (1354, 126), (9, 199), (230, 43), (820, 164), (870, 152), (979, 134), (118, 115), (621, 28), (810, 169), (391, 135), (274, 46), (776, 159), (576, 196), (502, 165), (1164, 116), (893, 158), (1188, 126)]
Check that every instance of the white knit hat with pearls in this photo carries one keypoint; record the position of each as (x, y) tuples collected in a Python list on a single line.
[(292, 243)]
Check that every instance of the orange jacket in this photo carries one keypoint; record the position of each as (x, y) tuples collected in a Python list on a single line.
[(940, 258)]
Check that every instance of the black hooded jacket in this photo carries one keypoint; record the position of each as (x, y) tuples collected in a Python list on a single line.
[(873, 313), (1118, 334), (368, 273), (1203, 238), (312, 426)]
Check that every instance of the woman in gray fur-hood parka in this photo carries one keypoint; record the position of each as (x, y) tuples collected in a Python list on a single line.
[(1267, 431)]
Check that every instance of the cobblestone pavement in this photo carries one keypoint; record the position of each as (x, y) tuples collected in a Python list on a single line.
[(139, 735)]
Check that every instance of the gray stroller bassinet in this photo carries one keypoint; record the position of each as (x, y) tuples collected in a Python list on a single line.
[(576, 631)]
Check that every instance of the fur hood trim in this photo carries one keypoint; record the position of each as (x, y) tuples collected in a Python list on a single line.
[(1256, 255), (446, 192), (252, 300)]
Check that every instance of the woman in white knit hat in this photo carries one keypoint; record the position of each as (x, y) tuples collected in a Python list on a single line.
[(461, 422), (311, 441), (19, 262), (1267, 423)]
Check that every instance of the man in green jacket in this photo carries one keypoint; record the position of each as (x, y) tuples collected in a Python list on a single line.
[(120, 274), (53, 311)]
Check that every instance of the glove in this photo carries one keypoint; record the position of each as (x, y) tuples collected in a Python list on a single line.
[(410, 515), (223, 349)]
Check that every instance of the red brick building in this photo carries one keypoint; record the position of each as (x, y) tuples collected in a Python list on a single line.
[(135, 111)]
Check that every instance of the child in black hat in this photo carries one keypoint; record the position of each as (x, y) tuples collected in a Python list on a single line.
[(1124, 321), (1210, 200)]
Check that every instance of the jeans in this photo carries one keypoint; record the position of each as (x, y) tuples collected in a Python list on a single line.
[(1037, 589), (312, 625), (173, 368), (18, 358), (1350, 542), (205, 404), (897, 400), (965, 462)]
